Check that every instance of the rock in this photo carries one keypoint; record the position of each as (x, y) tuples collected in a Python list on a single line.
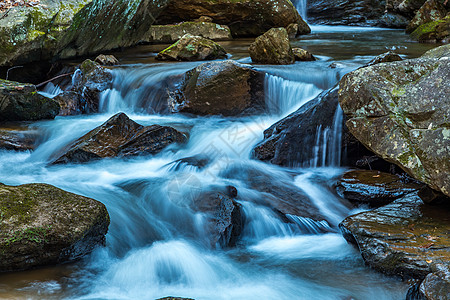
[(119, 23), (190, 48), (400, 112), (433, 32), (374, 188), (302, 55), (106, 60), (405, 238), (225, 87), (430, 11), (272, 48), (30, 33), (224, 217), (204, 19), (18, 138), (120, 136), (292, 30), (43, 225), (436, 286), (172, 33), (406, 8), (83, 96), (385, 57), (244, 17), (438, 52), (393, 20), (22, 102), (174, 298), (285, 145)]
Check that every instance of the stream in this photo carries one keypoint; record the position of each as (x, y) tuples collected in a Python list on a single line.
[(156, 245)]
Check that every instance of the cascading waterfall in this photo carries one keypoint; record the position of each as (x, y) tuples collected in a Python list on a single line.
[(301, 7)]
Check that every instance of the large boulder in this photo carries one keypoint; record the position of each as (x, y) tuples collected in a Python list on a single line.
[(244, 17), (430, 11), (171, 33), (400, 111), (405, 238), (120, 136), (272, 47), (191, 48), (374, 188), (30, 33), (43, 225), (433, 32), (22, 102), (224, 87), (83, 96)]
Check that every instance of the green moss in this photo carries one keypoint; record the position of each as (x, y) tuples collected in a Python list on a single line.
[(423, 31), (33, 234)]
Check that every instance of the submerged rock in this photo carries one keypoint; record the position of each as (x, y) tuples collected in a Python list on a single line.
[(225, 87), (244, 17), (432, 10), (120, 136), (43, 225), (22, 102), (405, 238), (190, 48), (172, 33), (374, 188), (272, 48), (400, 112), (18, 138), (302, 55)]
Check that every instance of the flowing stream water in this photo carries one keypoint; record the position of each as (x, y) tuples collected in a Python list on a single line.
[(156, 245)]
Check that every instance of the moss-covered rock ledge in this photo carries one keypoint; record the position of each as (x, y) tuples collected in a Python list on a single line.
[(43, 225)]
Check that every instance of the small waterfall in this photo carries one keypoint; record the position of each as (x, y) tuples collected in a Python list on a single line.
[(50, 90), (300, 5)]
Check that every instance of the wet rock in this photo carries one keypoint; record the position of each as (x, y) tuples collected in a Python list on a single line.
[(285, 145), (83, 96), (400, 112), (406, 8), (272, 48), (436, 286), (393, 20), (225, 87), (302, 55), (22, 102), (430, 11), (244, 17), (174, 298), (18, 138), (385, 57), (120, 23), (120, 136), (172, 33), (21, 43), (106, 60), (405, 238), (433, 32), (190, 48), (224, 215), (374, 188), (198, 161), (43, 225), (438, 52)]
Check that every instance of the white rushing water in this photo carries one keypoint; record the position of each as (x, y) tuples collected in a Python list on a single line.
[(157, 245)]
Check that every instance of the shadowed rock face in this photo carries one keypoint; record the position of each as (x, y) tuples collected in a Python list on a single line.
[(400, 111), (21, 102), (41, 225), (191, 48), (374, 188), (244, 17), (225, 87), (273, 48), (405, 238), (120, 136)]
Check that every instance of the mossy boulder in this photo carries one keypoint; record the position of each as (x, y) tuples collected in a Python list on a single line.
[(30, 33), (302, 55), (191, 48), (22, 102), (400, 111), (172, 33), (43, 225), (120, 136), (405, 238), (374, 188), (431, 11), (272, 47), (219, 88), (244, 17)]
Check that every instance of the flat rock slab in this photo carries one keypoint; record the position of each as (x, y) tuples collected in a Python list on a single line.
[(405, 238), (43, 225)]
